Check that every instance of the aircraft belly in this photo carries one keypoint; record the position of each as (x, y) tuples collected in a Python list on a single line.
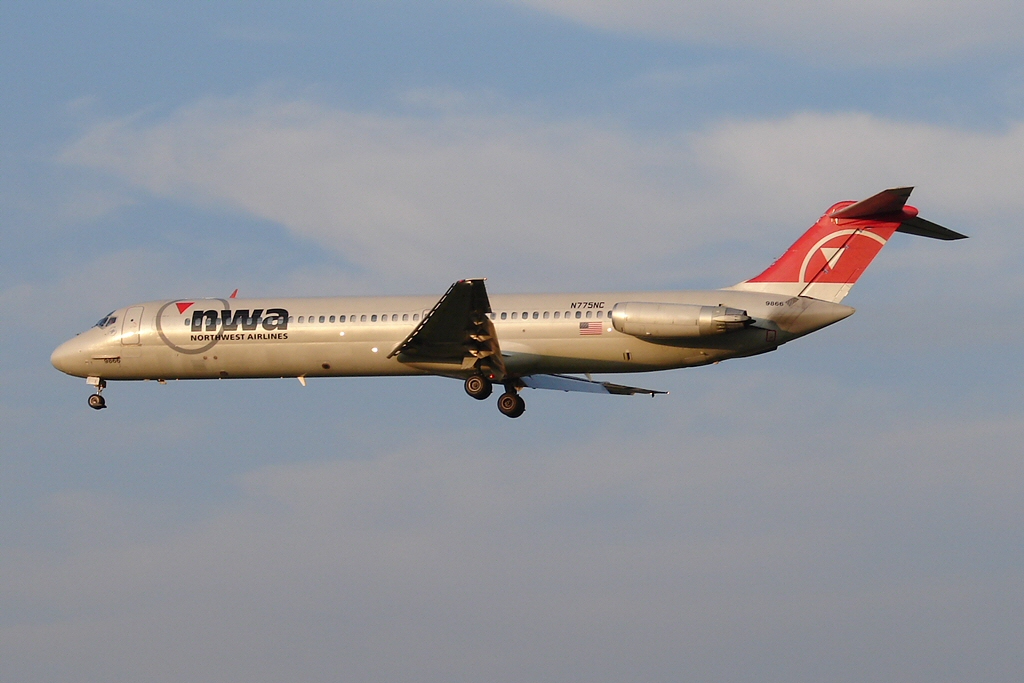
[(614, 353), (255, 360)]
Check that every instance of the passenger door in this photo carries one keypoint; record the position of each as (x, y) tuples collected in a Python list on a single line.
[(131, 325)]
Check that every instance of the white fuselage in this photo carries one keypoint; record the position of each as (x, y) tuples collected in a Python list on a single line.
[(542, 333)]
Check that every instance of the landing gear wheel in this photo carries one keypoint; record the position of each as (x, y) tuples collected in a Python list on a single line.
[(96, 402), (511, 404), (478, 387)]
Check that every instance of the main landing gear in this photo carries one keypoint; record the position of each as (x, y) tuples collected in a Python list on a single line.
[(478, 386), (96, 401), (510, 403)]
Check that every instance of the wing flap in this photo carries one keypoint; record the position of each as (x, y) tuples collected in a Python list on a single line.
[(567, 383), (456, 327)]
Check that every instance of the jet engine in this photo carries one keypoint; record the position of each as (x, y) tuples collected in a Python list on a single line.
[(672, 321)]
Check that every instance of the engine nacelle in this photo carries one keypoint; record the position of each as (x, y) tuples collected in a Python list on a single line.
[(673, 321)]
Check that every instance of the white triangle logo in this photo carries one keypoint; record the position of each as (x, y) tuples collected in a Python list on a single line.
[(832, 256)]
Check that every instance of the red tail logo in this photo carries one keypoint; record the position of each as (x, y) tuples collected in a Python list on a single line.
[(826, 261), (833, 251)]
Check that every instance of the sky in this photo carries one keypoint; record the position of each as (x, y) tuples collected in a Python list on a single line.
[(848, 508)]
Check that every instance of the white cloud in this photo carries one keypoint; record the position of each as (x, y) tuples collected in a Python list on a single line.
[(463, 193), (397, 192), (593, 557), (872, 31)]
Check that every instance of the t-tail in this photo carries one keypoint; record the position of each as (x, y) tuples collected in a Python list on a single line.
[(829, 258)]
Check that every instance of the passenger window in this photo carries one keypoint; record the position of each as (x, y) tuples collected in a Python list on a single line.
[(525, 315), (590, 313), (415, 316), (332, 318), (373, 318), (362, 318), (557, 315), (504, 315), (536, 315), (394, 317), (323, 319), (291, 318), (600, 314), (341, 318), (405, 316), (567, 314), (187, 322), (546, 315), (515, 315), (579, 314), (302, 318)]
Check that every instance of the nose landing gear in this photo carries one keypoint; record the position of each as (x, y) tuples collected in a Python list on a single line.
[(96, 402)]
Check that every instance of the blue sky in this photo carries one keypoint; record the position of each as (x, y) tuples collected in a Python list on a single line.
[(847, 508)]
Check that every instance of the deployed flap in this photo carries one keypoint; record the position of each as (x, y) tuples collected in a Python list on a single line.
[(887, 201), (567, 383), (456, 327)]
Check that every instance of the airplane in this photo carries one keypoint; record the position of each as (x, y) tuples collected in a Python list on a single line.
[(539, 341)]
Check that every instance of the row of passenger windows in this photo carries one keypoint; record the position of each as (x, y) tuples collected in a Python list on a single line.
[(394, 317), (504, 315), (515, 315)]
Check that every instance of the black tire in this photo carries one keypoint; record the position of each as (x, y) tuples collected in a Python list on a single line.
[(521, 408), (96, 402), (478, 387), (511, 404)]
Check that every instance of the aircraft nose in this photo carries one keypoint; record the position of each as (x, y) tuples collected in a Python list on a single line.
[(69, 358)]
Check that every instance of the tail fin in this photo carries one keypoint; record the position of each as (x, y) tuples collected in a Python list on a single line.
[(830, 257)]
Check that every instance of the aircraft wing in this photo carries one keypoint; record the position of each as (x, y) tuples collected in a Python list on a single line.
[(567, 383), (456, 327)]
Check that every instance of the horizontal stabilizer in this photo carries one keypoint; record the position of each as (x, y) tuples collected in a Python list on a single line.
[(922, 228), (887, 201), (567, 383), (892, 201)]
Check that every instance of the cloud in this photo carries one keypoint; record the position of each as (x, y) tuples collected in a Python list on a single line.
[(783, 162), (463, 192), (592, 556), (872, 32), (401, 192)]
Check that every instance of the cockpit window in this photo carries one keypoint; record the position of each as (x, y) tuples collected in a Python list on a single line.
[(107, 320)]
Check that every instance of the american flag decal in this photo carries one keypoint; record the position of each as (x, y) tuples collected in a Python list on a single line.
[(591, 328)]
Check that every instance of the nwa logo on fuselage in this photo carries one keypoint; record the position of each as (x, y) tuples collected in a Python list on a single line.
[(275, 319)]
